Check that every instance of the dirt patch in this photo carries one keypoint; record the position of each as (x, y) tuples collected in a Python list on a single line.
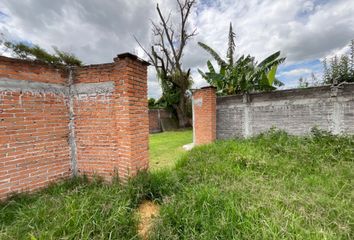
[(147, 211)]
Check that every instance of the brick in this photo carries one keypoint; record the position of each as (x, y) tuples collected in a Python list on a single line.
[(204, 115)]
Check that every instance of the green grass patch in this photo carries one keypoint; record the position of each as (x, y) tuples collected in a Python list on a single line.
[(81, 209), (166, 148), (273, 186)]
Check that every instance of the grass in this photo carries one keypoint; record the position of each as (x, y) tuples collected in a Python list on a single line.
[(166, 148), (273, 186), (80, 209)]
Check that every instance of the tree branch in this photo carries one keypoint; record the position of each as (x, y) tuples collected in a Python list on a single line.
[(169, 37)]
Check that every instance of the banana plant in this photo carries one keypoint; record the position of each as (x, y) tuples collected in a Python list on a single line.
[(215, 79), (243, 75)]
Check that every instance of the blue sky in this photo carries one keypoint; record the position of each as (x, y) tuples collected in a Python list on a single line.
[(305, 31), (3, 17), (290, 74)]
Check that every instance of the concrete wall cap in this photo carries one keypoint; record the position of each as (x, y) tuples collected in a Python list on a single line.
[(131, 56)]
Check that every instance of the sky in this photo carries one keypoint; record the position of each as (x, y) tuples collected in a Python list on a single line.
[(305, 31)]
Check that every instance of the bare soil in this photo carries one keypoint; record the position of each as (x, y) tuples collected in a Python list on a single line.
[(147, 211)]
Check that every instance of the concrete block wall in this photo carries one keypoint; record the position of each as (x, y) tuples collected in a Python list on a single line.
[(55, 123), (204, 115), (155, 116), (296, 111)]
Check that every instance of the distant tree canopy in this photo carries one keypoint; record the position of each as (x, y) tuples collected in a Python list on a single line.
[(339, 69), (151, 102), (35, 52), (311, 81), (157, 103)]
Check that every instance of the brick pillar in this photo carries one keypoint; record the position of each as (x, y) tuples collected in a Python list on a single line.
[(204, 115), (131, 114)]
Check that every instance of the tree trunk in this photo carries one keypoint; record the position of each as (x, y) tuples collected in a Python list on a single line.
[(181, 110)]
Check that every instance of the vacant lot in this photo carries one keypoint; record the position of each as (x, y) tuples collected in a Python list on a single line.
[(270, 187), (273, 186)]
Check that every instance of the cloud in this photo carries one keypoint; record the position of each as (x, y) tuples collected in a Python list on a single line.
[(290, 74), (94, 30), (296, 72), (97, 30)]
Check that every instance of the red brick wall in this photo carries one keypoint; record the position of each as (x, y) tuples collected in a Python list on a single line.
[(95, 124), (27, 70), (33, 130), (132, 115), (111, 129), (94, 73), (95, 136), (204, 115)]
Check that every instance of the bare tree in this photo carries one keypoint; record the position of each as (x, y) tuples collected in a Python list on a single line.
[(166, 56)]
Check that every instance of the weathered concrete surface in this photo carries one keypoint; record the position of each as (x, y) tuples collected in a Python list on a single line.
[(26, 86), (72, 138), (93, 88), (156, 120), (296, 111), (188, 147), (11, 85), (69, 91)]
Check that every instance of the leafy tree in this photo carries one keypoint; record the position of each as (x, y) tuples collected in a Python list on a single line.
[(152, 103), (166, 54), (243, 75), (303, 83), (25, 51), (326, 71), (339, 69), (67, 58), (308, 82)]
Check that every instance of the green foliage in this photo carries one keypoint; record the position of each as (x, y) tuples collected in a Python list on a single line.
[(245, 74), (75, 209), (303, 83), (231, 47), (152, 103), (25, 51), (339, 69), (311, 81), (66, 58), (213, 53), (170, 91), (174, 92)]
